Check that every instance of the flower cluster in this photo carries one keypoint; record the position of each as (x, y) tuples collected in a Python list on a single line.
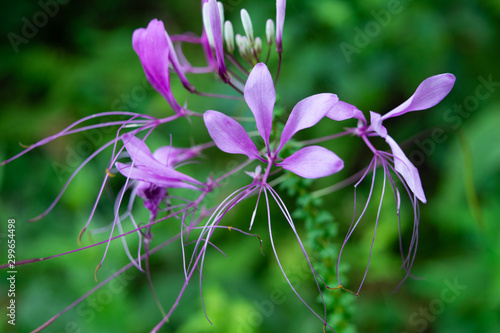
[(159, 180)]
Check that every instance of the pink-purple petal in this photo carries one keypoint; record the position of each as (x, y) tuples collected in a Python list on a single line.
[(170, 156), (177, 65), (144, 160), (342, 111), (174, 180), (260, 96), (406, 169), (308, 112), (430, 92), (280, 21), (139, 152), (229, 135), (216, 25), (376, 123), (152, 47), (312, 162)]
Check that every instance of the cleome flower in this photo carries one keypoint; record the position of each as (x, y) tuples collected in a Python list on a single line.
[(259, 93), (154, 173), (429, 93), (308, 162), (155, 50)]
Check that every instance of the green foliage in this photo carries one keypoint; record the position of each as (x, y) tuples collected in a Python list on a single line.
[(322, 245)]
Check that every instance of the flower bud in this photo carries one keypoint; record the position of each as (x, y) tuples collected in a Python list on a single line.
[(280, 20), (243, 46), (258, 45), (269, 32), (221, 13), (207, 26), (229, 36), (238, 40), (247, 25), (246, 43)]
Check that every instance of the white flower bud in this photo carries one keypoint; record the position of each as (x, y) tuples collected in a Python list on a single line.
[(207, 26), (243, 51), (238, 40), (269, 32), (246, 43), (247, 25), (221, 13), (229, 36), (258, 45), (244, 46)]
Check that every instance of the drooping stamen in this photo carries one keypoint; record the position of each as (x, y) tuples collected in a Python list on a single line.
[(287, 215), (101, 284), (71, 129), (375, 229), (373, 166)]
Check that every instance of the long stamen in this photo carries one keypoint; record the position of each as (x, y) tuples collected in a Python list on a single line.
[(375, 230), (70, 130), (110, 278), (373, 165), (128, 213), (285, 212)]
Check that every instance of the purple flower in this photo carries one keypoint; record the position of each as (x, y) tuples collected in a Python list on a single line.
[(156, 52), (155, 172), (259, 93), (429, 93), (308, 162)]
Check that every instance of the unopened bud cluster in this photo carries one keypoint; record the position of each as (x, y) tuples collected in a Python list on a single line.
[(249, 46)]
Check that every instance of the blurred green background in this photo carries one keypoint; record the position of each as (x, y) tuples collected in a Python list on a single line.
[(373, 54)]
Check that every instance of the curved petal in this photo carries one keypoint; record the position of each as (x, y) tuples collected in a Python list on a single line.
[(213, 27), (342, 111), (229, 135), (211, 62), (312, 162), (177, 65), (145, 162), (139, 152), (280, 21), (406, 169), (145, 176), (260, 96), (308, 112), (376, 123), (169, 156), (430, 92), (152, 47)]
